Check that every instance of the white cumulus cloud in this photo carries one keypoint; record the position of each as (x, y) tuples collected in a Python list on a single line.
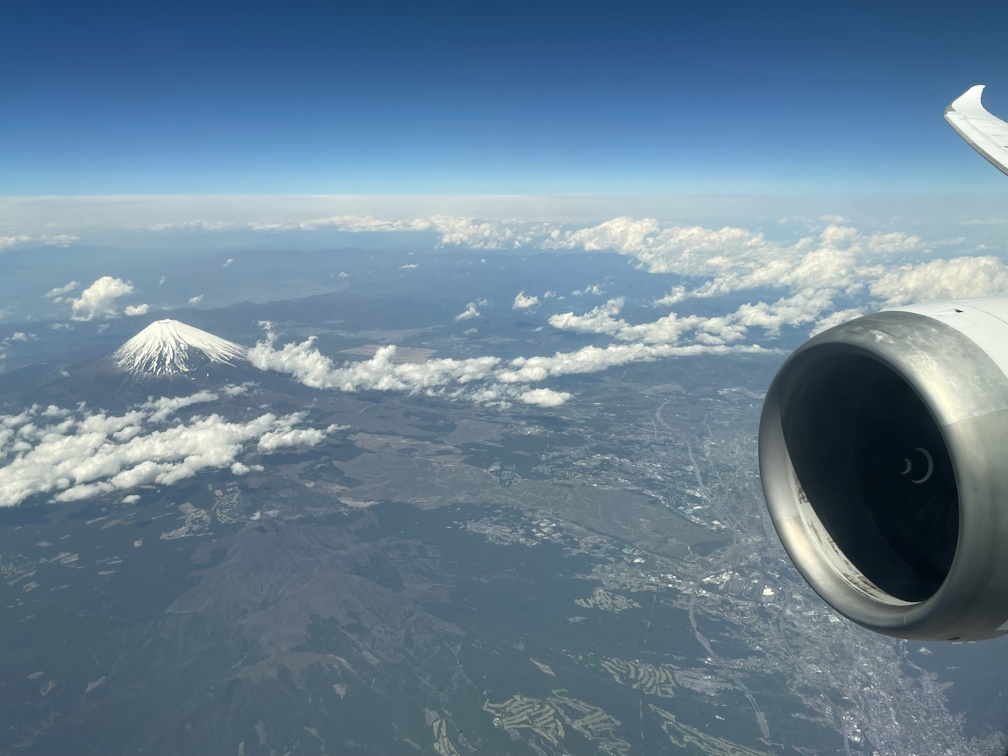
[(240, 468), (162, 408), (287, 437), (543, 397), (77, 454), (99, 299), (524, 302), (380, 373), (239, 390), (469, 313), (60, 291), (601, 319), (942, 279)]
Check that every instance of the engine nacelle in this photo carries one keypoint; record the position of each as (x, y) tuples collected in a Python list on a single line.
[(883, 451)]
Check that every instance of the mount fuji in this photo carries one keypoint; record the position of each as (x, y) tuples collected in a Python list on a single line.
[(169, 348), (167, 357)]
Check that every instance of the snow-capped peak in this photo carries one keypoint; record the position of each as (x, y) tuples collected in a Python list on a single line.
[(167, 348)]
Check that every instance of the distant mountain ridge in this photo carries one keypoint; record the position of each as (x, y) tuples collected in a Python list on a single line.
[(169, 348)]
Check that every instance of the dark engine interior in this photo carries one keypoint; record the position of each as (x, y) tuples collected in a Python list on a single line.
[(873, 464)]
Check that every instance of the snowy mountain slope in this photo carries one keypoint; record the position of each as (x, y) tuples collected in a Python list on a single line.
[(168, 348)]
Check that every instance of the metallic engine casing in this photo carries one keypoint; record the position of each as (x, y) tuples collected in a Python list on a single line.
[(954, 357)]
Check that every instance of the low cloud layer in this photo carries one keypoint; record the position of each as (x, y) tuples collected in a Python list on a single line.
[(795, 285), (942, 279), (46, 240), (834, 261), (77, 454), (830, 274), (307, 365), (485, 380)]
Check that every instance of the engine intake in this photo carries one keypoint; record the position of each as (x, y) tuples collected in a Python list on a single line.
[(884, 459)]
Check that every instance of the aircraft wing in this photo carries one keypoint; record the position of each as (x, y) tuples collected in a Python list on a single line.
[(982, 131)]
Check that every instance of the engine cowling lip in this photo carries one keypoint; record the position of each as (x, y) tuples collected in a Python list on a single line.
[(967, 395)]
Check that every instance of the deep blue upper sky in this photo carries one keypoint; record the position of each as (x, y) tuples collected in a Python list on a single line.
[(492, 97)]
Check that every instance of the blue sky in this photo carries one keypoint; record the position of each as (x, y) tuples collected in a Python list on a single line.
[(507, 97)]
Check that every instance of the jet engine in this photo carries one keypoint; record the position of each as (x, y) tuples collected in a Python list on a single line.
[(883, 449)]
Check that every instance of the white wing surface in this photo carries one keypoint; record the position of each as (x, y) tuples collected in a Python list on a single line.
[(982, 131)]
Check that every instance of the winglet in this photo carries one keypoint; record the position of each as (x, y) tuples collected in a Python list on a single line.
[(982, 131)]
